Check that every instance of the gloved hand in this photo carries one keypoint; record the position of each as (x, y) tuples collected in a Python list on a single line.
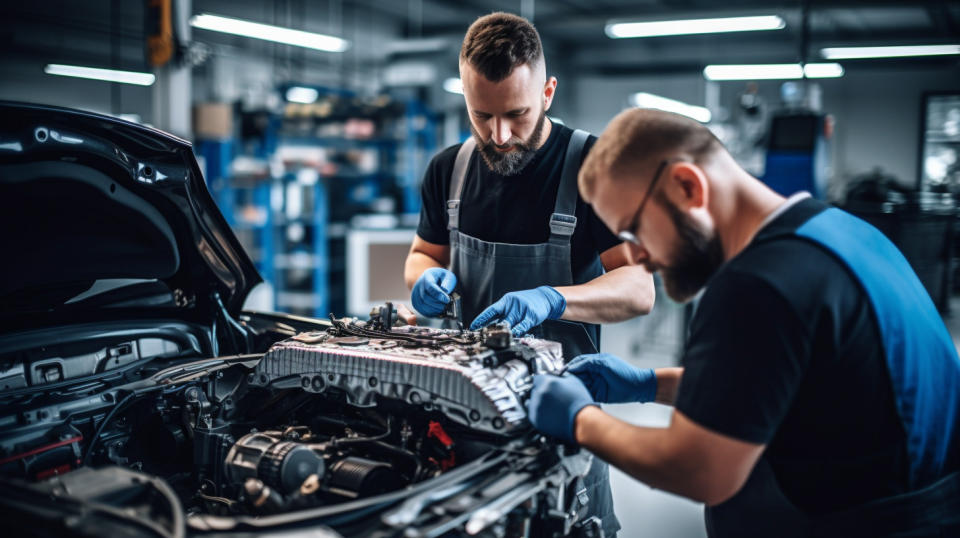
[(431, 292), (613, 380), (523, 310), (554, 403)]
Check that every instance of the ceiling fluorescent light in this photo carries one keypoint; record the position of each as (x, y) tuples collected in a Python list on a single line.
[(619, 30), (267, 32), (299, 94), (648, 100), (415, 46), (772, 71), (753, 72), (828, 70), (852, 53), (110, 75), (453, 85)]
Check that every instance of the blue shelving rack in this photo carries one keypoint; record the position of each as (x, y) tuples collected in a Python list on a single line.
[(403, 152), (420, 143), (217, 156), (309, 256)]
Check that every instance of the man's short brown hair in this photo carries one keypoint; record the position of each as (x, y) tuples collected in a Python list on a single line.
[(497, 43), (637, 139)]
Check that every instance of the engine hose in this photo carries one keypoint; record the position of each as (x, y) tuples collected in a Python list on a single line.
[(361, 440), (232, 322), (113, 412), (385, 447)]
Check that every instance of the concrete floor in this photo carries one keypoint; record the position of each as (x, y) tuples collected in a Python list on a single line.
[(642, 510), (650, 343)]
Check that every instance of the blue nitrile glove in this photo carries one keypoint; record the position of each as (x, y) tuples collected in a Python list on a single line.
[(431, 292), (554, 403), (613, 380), (523, 310)]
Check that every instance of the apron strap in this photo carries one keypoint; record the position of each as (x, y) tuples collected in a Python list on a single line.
[(564, 221), (457, 179)]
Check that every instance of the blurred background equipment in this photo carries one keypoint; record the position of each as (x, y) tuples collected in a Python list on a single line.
[(940, 157), (797, 148), (920, 223), (375, 258)]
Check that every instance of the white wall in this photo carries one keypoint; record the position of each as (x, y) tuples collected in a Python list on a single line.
[(877, 111), (597, 99)]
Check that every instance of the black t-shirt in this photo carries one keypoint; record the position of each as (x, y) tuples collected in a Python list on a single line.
[(784, 349), (512, 209)]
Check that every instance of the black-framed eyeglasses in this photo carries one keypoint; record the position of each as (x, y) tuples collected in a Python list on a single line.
[(630, 235)]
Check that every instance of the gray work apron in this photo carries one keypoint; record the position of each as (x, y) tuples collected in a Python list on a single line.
[(487, 270)]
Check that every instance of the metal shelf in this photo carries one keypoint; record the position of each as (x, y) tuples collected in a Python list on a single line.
[(399, 162)]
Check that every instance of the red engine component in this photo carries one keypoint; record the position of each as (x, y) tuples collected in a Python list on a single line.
[(58, 469), (435, 430)]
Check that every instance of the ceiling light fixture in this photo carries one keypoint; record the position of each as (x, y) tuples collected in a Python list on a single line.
[(620, 30), (453, 85), (268, 32), (416, 46), (94, 73), (300, 94), (823, 70), (853, 53), (649, 100), (772, 71)]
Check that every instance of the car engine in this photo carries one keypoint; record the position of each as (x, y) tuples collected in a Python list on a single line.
[(359, 411), (475, 378)]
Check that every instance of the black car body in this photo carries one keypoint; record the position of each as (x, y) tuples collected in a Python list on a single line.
[(134, 395)]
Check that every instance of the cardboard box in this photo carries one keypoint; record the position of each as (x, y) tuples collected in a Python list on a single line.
[(213, 121)]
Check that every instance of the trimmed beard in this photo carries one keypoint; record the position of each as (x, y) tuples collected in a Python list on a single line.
[(511, 162), (696, 259)]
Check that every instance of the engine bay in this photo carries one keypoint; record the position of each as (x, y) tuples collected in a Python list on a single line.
[(321, 419)]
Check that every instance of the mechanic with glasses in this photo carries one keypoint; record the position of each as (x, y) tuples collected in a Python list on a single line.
[(502, 223), (820, 393)]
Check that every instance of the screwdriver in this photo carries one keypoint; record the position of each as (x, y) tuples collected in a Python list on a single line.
[(453, 311)]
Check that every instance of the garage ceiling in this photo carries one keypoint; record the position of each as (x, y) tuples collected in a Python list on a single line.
[(111, 32)]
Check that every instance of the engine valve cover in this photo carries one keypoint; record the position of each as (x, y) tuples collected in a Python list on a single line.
[(476, 378)]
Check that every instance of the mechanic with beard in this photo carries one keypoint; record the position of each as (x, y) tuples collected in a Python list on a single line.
[(502, 210), (820, 393)]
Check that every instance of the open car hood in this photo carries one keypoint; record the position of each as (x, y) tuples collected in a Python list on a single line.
[(102, 217)]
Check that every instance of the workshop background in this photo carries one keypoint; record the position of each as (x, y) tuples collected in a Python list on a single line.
[(314, 146)]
